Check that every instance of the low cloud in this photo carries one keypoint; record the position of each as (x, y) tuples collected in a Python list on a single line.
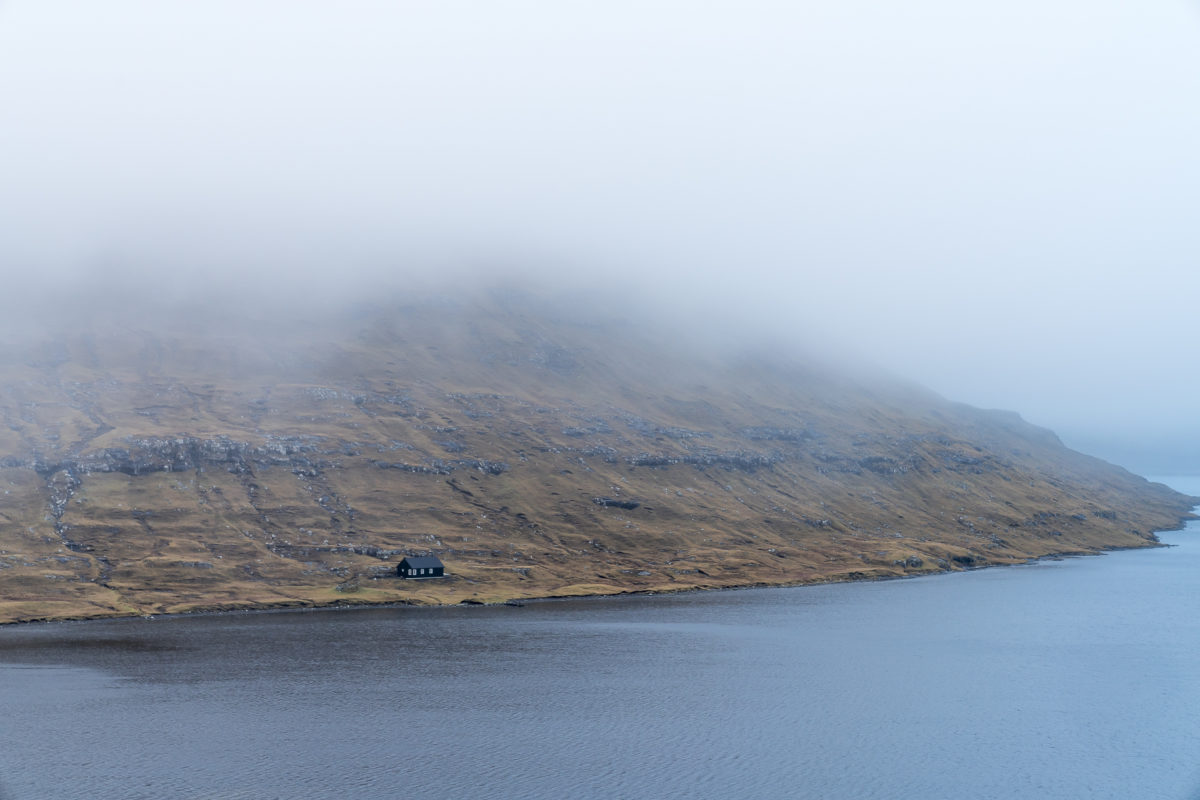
[(995, 202)]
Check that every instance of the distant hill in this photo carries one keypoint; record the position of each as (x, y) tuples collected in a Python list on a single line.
[(180, 458)]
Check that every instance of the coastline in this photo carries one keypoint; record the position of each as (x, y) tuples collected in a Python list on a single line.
[(520, 600)]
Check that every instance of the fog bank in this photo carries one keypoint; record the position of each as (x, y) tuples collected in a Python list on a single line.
[(993, 201)]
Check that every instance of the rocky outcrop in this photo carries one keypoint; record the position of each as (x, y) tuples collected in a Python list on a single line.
[(614, 502), (182, 454)]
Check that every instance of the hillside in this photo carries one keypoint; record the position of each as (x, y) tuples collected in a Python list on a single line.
[(168, 459)]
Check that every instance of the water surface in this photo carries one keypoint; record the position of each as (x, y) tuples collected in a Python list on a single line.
[(1065, 679)]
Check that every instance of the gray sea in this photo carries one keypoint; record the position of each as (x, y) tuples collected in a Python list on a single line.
[(1077, 678)]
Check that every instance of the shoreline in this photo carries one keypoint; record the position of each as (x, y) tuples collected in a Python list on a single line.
[(300, 606)]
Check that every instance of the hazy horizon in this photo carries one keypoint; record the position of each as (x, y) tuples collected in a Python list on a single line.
[(991, 201)]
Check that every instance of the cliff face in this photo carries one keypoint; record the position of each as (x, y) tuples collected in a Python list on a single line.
[(194, 462)]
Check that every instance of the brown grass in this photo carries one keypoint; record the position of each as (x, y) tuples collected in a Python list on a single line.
[(746, 474)]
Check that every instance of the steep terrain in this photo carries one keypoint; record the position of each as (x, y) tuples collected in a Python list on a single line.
[(166, 461)]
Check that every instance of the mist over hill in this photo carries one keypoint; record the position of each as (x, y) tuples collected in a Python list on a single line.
[(174, 455)]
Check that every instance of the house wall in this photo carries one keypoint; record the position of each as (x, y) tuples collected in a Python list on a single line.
[(427, 572)]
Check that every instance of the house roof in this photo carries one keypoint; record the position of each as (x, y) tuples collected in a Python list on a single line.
[(422, 562)]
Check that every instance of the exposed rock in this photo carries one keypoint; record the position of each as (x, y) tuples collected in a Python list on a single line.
[(613, 502)]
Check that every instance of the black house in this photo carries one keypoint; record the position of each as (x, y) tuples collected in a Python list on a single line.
[(420, 567)]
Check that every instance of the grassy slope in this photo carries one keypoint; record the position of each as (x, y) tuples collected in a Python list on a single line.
[(484, 433)]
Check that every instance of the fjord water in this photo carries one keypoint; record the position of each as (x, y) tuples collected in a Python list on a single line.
[(1064, 679)]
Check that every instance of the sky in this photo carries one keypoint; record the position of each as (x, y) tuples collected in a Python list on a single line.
[(995, 200)]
